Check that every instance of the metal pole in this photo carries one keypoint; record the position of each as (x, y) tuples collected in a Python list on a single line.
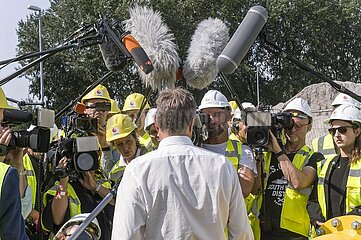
[(257, 76), (41, 63)]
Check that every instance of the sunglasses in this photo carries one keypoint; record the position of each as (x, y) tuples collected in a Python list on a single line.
[(341, 130)]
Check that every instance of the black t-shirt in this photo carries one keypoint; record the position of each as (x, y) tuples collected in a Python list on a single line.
[(275, 190), (337, 187), (88, 204)]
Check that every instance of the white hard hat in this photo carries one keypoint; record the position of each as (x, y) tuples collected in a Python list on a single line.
[(248, 107), (346, 113), (299, 104), (344, 99), (213, 99), (79, 219), (150, 118), (237, 114)]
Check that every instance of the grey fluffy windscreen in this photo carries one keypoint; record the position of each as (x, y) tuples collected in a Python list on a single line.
[(208, 41), (148, 27)]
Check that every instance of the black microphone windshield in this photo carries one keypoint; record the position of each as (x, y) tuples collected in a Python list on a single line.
[(16, 116), (242, 39), (113, 57)]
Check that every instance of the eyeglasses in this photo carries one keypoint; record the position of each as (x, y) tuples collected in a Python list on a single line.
[(341, 130), (298, 126)]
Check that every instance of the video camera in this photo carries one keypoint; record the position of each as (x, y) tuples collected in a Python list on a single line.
[(38, 138), (81, 154), (259, 124), (200, 133)]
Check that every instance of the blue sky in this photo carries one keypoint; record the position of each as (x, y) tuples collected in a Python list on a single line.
[(11, 12)]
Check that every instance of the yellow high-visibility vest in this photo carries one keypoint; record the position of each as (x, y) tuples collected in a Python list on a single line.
[(324, 145)]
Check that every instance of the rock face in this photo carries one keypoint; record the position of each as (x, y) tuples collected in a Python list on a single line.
[(320, 97)]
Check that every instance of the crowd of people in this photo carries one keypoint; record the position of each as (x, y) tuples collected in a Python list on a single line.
[(223, 188)]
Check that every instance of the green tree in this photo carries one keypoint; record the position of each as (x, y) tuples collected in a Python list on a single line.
[(323, 34)]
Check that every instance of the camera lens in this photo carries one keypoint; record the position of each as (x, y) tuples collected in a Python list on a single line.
[(85, 161)]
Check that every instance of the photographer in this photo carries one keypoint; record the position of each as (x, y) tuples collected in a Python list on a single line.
[(289, 174), (216, 105), (11, 221), (100, 94), (121, 133), (132, 105), (74, 195)]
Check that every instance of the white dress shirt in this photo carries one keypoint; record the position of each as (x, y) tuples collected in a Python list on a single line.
[(180, 192)]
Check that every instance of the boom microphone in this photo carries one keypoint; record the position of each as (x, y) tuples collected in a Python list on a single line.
[(242, 39), (148, 27), (113, 57), (208, 41), (16, 116)]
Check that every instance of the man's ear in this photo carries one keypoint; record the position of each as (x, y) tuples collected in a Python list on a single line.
[(309, 127)]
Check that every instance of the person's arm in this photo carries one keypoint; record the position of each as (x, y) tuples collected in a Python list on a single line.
[(246, 170), (16, 161), (11, 221), (314, 209), (299, 179), (238, 224), (129, 214), (96, 188)]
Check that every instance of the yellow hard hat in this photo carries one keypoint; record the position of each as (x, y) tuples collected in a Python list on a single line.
[(114, 107), (3, 102), (99, 92), (119, 126), (233, 105), (134, 102)]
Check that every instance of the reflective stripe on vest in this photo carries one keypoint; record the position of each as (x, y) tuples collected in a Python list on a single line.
[(73, 200), (30, 176), (294, 215), (146, 141), (353, 186), (3, 170), (234, 152), (324, 145)]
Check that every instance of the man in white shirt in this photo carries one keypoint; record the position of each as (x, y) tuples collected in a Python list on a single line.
[(179, 191)]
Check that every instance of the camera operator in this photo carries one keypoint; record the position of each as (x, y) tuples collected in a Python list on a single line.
[(132, 105), (216, 105), (122, 134), (100, 94), (74, 195), (290, 171), (11, 221)]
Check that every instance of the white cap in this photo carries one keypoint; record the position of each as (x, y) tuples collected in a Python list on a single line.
[(150, 118), (344, 99), (213, 99), (248, 107), (79, 219), (299, 104), (346, 113)]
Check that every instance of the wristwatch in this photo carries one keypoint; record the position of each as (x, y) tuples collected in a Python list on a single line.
[(98, 187)]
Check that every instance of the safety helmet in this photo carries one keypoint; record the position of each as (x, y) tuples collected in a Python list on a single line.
[(344, 99), (233, 106), (3, 102), (299, 104), (119, 126), (150, 118), (99, 92), (114, 107), (248, 107), (213, 99), (79, 219), (134, 102), (346, 113), (237, 114)]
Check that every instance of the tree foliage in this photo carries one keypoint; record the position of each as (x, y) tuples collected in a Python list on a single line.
[(322, 34)]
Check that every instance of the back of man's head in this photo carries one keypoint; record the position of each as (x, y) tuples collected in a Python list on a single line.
[(176, 109)]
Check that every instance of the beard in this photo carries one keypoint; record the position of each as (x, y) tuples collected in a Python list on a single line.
[(216, 130)]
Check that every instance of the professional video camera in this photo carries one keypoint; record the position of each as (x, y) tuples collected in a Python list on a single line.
[(259, 124), (38, 138), (200, 133), (79, 145)]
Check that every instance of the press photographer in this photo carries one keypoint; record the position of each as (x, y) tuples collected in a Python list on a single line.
[(289, 174)]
